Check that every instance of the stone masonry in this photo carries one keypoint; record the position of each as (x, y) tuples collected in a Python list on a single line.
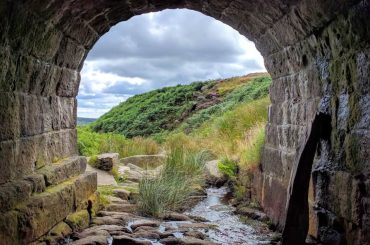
[(317, 52)]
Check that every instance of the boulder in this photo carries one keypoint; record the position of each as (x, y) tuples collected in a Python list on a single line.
[(126, 208), (92, 240), (196, 234), (173, 216), (144, 161), (78, 220), (58, 233), (195, 241), (121, 193), (147, 234), (252, 213), (152, 223), (170, 240), (107, 220), (124, 240), (107, 161)]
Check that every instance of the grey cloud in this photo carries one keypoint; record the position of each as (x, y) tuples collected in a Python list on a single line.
[(171, 47)]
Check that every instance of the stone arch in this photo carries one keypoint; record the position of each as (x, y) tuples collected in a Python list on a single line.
[(316, 51)]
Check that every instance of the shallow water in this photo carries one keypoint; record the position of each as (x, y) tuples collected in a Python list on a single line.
[(230, 229)]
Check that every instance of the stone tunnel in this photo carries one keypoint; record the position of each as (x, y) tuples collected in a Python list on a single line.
[(317, 52)]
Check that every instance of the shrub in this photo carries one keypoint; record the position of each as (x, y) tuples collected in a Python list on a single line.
[(228, 167), (181, 174), (93, 160)]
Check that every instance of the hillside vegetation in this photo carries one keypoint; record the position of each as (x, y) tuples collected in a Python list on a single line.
[(183, 107), (194, 123)]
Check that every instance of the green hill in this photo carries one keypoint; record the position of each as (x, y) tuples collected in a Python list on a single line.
[(183, 107)]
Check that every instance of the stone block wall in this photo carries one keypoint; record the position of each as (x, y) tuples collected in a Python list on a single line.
[(317, 52)]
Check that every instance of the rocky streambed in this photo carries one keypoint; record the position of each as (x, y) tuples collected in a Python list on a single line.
[(211, 220)]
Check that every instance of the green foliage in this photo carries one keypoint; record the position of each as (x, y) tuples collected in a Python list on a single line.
[(150, 113), (254, 90), (181, 174), (158, 112), (228, 167), (251, 155), (91, 144), (93, 160)]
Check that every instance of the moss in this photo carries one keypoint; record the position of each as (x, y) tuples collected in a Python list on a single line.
[(40, 162), (62, 229), (93, 160), (352, 147), (117, 176), (79, 220)]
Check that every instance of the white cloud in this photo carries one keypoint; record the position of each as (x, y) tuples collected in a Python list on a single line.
[(161, 49)]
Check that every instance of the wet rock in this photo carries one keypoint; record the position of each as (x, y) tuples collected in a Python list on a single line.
[(107, 161), (92, 240), (194, 241), (175, 217), (120, 215), (89, 233), (107, 220), (117, 200), (78, 220), (170, 241), (146, 234), (103, 230), (121, 193), (126, 208), (196, 234), (151, 223), (58, 233), (145, 228), (195, 226), (198, 218), (252, 213), (111, 228), (126, 240), (213, 175)]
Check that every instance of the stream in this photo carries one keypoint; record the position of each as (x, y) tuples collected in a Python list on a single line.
[(218, 223), (230, 230)]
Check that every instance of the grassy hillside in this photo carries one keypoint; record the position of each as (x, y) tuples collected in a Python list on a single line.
[(194, 123), (165, 109)]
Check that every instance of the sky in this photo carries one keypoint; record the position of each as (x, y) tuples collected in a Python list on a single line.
[(157, 50)]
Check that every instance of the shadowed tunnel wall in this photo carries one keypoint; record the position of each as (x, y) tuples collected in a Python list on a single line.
[(317, 52)]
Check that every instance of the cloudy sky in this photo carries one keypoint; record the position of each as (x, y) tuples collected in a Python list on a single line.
[(157, 50)]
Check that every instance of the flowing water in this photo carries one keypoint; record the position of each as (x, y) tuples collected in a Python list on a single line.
[(226, 226), (230, 229)]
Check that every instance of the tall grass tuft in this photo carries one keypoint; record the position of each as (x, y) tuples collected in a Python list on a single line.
[(181, 174)]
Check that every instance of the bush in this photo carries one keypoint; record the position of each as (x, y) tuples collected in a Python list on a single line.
[(181, 174), (228, 167)]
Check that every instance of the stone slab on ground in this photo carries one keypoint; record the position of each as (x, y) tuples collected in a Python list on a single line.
[(104, 177), (144, 161)]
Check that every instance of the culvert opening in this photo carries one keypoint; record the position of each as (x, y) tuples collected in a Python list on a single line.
[(175, 74)]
